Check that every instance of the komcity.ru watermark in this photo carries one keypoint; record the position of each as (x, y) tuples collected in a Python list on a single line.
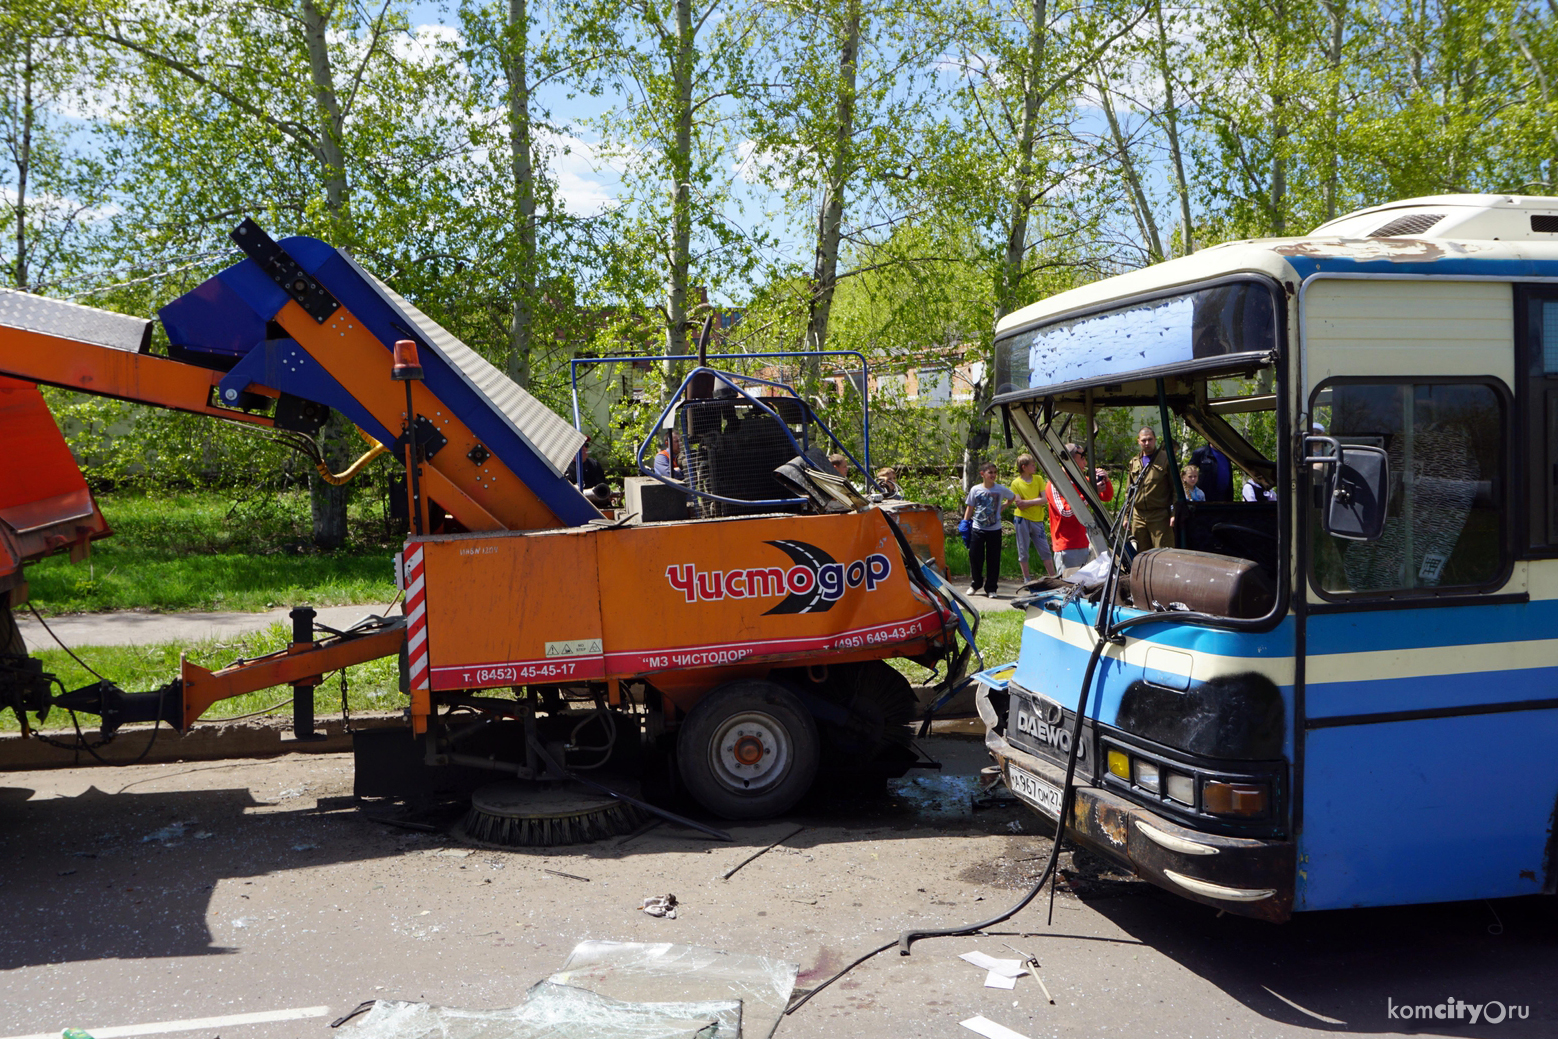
[(1452, 1009)]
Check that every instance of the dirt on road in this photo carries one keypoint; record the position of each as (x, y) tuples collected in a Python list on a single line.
[(164, 893)]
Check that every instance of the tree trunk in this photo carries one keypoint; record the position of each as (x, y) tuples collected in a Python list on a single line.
[(332, 159), (1009, 274), (830, 218), (525, 276), (1279, 179), (327, 503), (1278, 184), (23, 163), (1171, 129), (679, 258), (1335, 11), (1145, 221)]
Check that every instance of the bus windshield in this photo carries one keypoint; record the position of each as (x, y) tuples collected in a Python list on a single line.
[(1228, 325)]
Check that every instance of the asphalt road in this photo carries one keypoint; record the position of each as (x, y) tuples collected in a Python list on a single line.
[(158, 894)]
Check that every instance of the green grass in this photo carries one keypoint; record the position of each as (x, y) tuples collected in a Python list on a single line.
[(1000, 634), (203, 551), (373, 686)]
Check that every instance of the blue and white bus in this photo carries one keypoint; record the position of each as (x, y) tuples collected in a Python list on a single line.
[(1345, 692)]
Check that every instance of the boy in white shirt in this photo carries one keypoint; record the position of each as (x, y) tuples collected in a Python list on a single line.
[(983, 508)]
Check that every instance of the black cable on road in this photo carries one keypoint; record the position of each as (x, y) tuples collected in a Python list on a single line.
[(907, 939)]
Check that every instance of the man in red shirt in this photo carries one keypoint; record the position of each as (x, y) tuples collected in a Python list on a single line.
[(1067, 535)]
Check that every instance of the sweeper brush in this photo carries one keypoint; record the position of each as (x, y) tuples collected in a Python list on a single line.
[(516, 814)]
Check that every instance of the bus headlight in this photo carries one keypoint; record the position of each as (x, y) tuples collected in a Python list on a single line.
[(1180, 788), (1147, 775), (1248, 799)]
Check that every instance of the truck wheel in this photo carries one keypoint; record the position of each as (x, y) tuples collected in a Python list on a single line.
[(748, 750)]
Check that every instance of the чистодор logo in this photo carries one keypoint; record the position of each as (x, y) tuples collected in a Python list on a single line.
[(812, 585)]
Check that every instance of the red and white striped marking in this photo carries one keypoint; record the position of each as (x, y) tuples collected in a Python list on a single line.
[(416, 616)]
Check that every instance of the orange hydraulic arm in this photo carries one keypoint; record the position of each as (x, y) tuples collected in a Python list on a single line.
[(45, 505), (301, 664), (48, 345), (181, 702)]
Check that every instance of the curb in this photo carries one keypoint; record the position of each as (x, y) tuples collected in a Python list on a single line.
[(206, 741)]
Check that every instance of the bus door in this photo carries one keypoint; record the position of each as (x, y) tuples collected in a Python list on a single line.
[(1426, 698)]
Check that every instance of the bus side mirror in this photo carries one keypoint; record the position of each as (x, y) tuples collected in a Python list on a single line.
[(1357, 492)]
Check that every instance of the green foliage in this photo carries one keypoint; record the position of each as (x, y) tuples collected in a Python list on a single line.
[(953, 154), (118, 444), (1310, 109), (51, 188), (182, 551)]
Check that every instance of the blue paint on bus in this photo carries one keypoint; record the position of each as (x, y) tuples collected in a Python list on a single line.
[(1427, 811)]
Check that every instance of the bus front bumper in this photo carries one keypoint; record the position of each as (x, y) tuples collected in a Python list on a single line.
[(1246, 876)]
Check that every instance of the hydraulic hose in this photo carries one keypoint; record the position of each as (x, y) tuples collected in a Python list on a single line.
[(908, 938), (1104, 632), (351, 471), (1068, 789)]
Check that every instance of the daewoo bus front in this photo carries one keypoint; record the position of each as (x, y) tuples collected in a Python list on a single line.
[(1276, 709), (1182, 769)]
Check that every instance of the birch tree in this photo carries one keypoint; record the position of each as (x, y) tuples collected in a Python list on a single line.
[(1024, 72), (515, 51), (296, 111), (837, 122), (679, 67), (50, 187)]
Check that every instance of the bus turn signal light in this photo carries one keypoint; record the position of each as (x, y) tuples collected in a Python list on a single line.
[(1233, 798), (1120, 764)]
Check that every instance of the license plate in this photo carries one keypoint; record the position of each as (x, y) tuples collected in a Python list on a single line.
[(1040, 793)]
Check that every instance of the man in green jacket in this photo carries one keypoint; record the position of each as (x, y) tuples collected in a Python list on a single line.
[(1150, 515)]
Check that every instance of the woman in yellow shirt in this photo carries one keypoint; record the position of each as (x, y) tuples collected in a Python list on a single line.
[(1029, 516)]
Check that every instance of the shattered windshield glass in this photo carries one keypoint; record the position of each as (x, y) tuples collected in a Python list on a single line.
[(1193, 330)]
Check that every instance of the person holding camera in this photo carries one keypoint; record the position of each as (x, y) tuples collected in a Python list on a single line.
[(1067, 536)]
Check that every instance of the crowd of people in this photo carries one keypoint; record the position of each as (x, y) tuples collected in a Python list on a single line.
[(1050, 537)]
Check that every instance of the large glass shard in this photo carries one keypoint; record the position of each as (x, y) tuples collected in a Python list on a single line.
[(634, 971), (554, 1012), (615, 990)]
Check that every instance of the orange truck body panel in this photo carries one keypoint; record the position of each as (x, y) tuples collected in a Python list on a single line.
[(681, 604), (44, 501)]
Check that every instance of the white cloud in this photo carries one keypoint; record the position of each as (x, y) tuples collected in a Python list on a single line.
[(423, 42), (759, 166), (588, 183)]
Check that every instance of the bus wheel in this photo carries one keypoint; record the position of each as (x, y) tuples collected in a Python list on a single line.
[(748, 750)]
